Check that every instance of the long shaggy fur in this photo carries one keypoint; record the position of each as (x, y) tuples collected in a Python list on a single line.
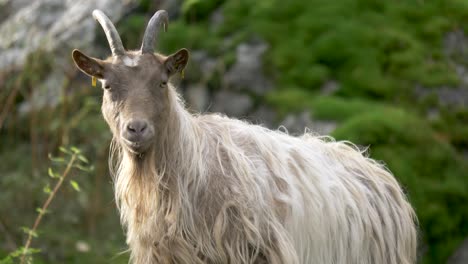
[(219, 190)]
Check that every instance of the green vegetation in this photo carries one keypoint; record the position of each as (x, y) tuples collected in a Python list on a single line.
[(433, 174), (27, 140), (375, 51), (73, 160)]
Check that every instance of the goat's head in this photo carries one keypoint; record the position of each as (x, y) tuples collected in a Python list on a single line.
[(135, 83)]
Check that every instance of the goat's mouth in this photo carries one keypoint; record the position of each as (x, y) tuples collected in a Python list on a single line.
[(138, 148)]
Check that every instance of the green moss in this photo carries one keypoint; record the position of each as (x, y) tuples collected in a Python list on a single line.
[(384, 126), (341, 109), (190, 36), (373, 49), (145, 5), (428, 167), (131, 30), (366, 81), (336, 108), (195, 10), (310, 77), (453, 125), (291, 99)]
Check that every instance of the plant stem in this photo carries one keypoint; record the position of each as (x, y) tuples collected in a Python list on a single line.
[(46, 205)]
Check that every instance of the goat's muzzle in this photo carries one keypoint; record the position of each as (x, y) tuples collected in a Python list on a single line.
[(137, 135)]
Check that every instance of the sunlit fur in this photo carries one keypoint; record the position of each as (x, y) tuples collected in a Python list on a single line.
[(219, 190)]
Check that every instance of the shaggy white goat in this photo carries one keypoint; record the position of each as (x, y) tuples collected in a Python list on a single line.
[(210, 189)]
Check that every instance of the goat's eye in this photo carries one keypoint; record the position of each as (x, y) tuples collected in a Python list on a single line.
[(107, 87), (163, 84)]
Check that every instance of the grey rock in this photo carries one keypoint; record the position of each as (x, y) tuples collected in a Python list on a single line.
[(297, 123), (453, 96), (232, 104), (433, 114), (329, 87), (447, 96), (323, 127), (264, 115), (9, 7), (54, 26), (247, 72), (303, 122), (51, 25), (216, 19), (462, 73), (171, 6), (455, 45), (204, 64), (197, 97), (461, 254), (44, 94)]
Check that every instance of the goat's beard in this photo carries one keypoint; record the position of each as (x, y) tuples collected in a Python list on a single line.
[(139, 156)]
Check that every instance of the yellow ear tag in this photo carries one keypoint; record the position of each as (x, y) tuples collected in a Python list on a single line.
[(93, 81), (182, 73)]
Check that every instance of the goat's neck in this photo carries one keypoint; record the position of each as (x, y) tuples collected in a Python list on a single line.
[(176, 139)]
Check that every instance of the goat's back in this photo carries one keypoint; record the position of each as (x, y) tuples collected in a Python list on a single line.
[(325, 200)]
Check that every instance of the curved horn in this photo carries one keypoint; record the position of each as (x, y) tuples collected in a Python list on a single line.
[(112, 35), (152, 30)]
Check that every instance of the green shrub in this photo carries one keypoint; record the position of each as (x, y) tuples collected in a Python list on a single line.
[(341, 109), (195, 10), (428, 168), (131, 30)]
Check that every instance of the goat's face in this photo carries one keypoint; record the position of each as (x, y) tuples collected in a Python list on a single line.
[(135, 85)]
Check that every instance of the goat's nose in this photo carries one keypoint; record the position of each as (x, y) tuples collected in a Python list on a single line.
[(137, 127), (137, 132)]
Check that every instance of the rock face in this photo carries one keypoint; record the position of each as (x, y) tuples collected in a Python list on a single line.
[(461, 254), (240, 84), (297, 124), (232, 104), (247, 72), (205, 66), (455, 44), (197, 97), (52, 25), (455, 47)]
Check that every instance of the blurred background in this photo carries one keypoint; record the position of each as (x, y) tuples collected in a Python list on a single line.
[(392, 75)]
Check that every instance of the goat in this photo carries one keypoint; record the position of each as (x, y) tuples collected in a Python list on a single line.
[(210, 189)]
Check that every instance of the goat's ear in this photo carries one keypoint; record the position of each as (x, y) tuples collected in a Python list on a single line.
[(91, 66), (177, 61)]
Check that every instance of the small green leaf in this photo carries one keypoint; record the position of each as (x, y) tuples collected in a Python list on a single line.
[(75, 185), (47, 189), (75, 150), (41, 211), (20, 251), (28, 231), (83, 159), (52, 174), (56, 159), (64, 150), (83, 168)]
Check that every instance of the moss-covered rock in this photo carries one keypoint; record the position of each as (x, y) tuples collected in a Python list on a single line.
[(427, 166), (195, 10)]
